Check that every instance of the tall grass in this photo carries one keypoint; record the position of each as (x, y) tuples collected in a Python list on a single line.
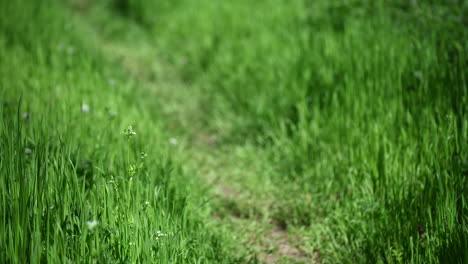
[(361, 106), (73, 187), (354, 111)]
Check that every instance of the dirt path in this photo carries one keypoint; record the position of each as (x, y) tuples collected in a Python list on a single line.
[(242, 211), (239, 211)]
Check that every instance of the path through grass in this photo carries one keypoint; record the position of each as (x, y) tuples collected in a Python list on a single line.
[(238, 209), (269, 131)]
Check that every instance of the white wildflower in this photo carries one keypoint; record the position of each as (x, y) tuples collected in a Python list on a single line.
[(173, 141), (92, 224), (160, 234), (85, 108), (143, 155), (27, 150), (129, 133)]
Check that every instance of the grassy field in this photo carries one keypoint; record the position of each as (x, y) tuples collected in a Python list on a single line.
[(202, 131)]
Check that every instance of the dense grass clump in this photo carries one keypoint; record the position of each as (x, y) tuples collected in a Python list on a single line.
[(341, 123), (74, 187)]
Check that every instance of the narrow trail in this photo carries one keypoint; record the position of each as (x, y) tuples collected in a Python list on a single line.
[(239, 212)]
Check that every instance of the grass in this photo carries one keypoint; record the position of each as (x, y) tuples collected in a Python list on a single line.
[(307, 131), (63, 167)]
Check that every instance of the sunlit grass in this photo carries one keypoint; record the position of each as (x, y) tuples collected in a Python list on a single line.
[(341, 122)]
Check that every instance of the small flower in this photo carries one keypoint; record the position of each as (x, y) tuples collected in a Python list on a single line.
[(92, 224), (27, 151), (26, 115), (160, 234), (131, 243), (143, 155), (173, 141), (146, 205), (129, 133), (85, 108)]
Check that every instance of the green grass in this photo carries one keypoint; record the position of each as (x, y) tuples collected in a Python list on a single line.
[(341, 123), (62, 167)]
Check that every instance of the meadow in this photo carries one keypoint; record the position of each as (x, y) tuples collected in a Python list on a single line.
[(202, 131)]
